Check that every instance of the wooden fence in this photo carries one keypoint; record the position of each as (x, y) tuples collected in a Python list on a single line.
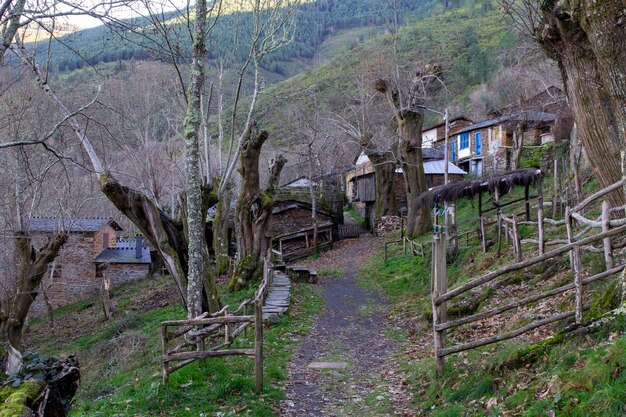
[(211, 335), (572, 247), (347, 231)]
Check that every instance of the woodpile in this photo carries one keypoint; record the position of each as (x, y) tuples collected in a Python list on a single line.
[(387, 224)]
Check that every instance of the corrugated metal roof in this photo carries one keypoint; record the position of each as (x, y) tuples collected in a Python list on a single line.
[(52, 224), (438, 167), (123, 256)]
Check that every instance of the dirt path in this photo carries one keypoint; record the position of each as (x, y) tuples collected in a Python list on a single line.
[(349, 332)]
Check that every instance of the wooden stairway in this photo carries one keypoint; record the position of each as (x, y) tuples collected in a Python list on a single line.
[(278, 296)]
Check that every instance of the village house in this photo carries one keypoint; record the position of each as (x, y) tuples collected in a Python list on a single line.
[(436, 133), (92, 249), (486, 147), (292, 223), (361, 181)]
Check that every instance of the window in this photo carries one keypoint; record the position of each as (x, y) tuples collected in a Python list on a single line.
[(479, 144), (105, 240), (464, 141), (453, 146)]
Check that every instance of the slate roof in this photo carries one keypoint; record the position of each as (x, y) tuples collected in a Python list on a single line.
[(529, 116), (123, 256), (53, 224), (451, 121), (431, 153)]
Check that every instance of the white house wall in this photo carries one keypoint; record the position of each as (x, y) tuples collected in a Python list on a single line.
[(428, 138)]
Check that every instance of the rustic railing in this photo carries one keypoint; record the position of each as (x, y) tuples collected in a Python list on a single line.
[(572, 247), (347, 231), (212, 335)]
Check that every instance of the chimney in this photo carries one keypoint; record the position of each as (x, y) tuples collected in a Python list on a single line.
[(138, 246)]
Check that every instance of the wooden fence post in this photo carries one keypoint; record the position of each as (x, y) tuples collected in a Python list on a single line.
[(608, 250), (527, 202), (482, 222), (164, 364), (517, 244), (499, 233), (570, 234), (440, 286), (578, 283), (258, 346), (540, 217), (226, 328)]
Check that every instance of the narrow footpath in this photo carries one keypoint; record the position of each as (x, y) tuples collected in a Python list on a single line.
[(344, 367)]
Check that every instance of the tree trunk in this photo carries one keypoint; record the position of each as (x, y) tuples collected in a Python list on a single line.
[(220, 234), (518, 146), (32, 264), (588, 43), (197, 248), (408, 122), (409, 129), (165, 234), (385, 174), (254, 209)]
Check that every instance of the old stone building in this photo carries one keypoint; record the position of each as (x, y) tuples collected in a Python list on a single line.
[(92, 248)]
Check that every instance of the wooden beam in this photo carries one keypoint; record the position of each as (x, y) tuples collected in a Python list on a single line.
[(597, 195), (504, 336), (510, 268), (258, 347), (499, 310)]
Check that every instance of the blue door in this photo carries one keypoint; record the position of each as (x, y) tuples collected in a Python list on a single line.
[(453, 146), (479, 144)]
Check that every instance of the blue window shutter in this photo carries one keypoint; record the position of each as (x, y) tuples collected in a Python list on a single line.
[(479, 144), (464, 140)]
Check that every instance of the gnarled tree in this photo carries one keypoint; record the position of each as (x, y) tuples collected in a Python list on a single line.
[(587, 39), (407, 122), (32, 265), (254, 208), (384, 164)]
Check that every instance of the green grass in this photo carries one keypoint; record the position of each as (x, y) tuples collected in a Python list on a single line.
[(120, 363), (573, 376), (354, 214), (331, 272)]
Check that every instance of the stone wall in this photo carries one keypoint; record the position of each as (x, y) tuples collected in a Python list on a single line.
[(72, 277), (120, 274)]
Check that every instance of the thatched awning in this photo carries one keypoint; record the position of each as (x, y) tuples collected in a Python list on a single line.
[(503, 183)]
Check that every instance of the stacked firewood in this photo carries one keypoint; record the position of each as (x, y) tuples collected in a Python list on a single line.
[(387, 224)]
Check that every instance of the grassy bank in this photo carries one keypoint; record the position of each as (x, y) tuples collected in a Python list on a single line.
[(120, 359), (581, 376)]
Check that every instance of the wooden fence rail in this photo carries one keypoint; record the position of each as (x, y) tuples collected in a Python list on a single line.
[(220, 329), (572, 246)]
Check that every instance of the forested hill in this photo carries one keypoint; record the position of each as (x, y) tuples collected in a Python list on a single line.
[(472, 43), (316, 22)]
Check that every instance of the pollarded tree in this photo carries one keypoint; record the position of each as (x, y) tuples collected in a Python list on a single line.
[(408, 120), (587, 39), (254, 208)]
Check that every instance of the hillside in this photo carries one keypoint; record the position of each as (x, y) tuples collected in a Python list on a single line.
[(316, 23), (469, 42)]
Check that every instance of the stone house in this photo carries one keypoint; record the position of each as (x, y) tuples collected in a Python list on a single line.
[(486, 147), (91, 248), (436, 133)]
